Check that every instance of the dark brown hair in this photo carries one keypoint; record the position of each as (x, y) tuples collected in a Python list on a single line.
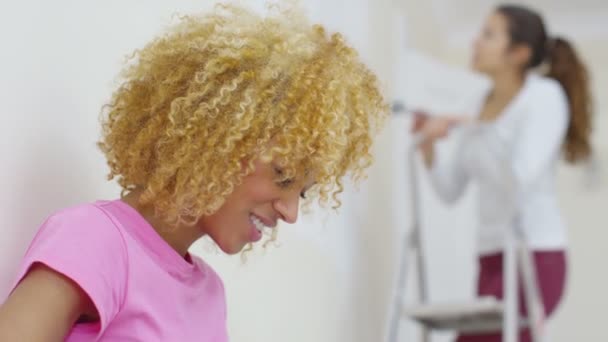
[(527, 27)]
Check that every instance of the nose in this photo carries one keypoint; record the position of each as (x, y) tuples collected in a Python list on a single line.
[(288, 207)]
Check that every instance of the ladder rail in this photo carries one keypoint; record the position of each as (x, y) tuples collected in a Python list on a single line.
[(519, 261), (416, 242), (411, 242), (516, 257), (510, 327), (532, 295)]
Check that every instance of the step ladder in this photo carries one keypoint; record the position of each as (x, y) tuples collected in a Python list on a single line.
[(483, 315)]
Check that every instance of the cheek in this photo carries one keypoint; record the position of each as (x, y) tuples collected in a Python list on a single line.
[(256, 190), (226, 227), (490, 55), (260, 194), (481, 56), (498, 49)]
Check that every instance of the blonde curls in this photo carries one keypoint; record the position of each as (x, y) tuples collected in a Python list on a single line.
[(231, 86)]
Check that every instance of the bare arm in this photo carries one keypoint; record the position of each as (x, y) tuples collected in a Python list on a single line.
[(43, 307)]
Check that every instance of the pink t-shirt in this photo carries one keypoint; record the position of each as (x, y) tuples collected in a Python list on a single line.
[(142, 289)]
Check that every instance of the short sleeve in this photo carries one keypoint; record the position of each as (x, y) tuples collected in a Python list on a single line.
[(84, 245)]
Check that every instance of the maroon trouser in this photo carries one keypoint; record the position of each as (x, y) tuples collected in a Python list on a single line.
[(551, 275)]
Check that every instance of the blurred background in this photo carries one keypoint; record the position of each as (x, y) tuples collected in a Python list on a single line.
[(331, 276)]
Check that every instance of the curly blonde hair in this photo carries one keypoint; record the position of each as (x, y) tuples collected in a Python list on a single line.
[(231, 86)]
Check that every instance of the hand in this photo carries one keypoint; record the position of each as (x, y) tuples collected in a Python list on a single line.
[(431, 129), (420, 118), (437, 127)]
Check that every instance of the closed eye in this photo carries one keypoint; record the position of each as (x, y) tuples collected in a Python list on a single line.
[(285, 183)]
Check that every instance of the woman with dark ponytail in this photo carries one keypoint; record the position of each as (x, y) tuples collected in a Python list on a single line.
[(534, 117)]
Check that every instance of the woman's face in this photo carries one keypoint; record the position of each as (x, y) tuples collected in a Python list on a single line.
[(491, 48), (259, 202)]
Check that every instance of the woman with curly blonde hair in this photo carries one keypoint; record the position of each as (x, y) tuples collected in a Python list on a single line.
[(218, 128)]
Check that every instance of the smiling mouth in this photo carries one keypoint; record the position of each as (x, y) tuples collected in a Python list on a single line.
[(259, 225)]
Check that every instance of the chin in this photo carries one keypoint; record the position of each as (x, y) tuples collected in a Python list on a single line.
[(481, 70), (230, 250), (475, 66)]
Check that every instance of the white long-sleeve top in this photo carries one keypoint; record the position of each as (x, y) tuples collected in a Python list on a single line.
[(524, 142)]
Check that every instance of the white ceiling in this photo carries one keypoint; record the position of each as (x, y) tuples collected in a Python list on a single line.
[(459, 20)]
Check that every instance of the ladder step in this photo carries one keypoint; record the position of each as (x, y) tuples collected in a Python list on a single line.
[(479, 316)]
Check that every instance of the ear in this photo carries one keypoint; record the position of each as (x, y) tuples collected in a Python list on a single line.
[(520, 55)]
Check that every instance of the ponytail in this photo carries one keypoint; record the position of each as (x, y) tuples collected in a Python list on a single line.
[(571, 73)]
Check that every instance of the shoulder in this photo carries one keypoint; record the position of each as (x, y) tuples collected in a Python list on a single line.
[(86, 219), (83, 231), (87, 212), (546, 100), (543, 89)]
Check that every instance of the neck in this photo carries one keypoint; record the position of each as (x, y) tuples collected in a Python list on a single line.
[(507, 84), (179, 238)]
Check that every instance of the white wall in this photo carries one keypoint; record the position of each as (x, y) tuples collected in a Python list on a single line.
[(331, 277), (58, 63)]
